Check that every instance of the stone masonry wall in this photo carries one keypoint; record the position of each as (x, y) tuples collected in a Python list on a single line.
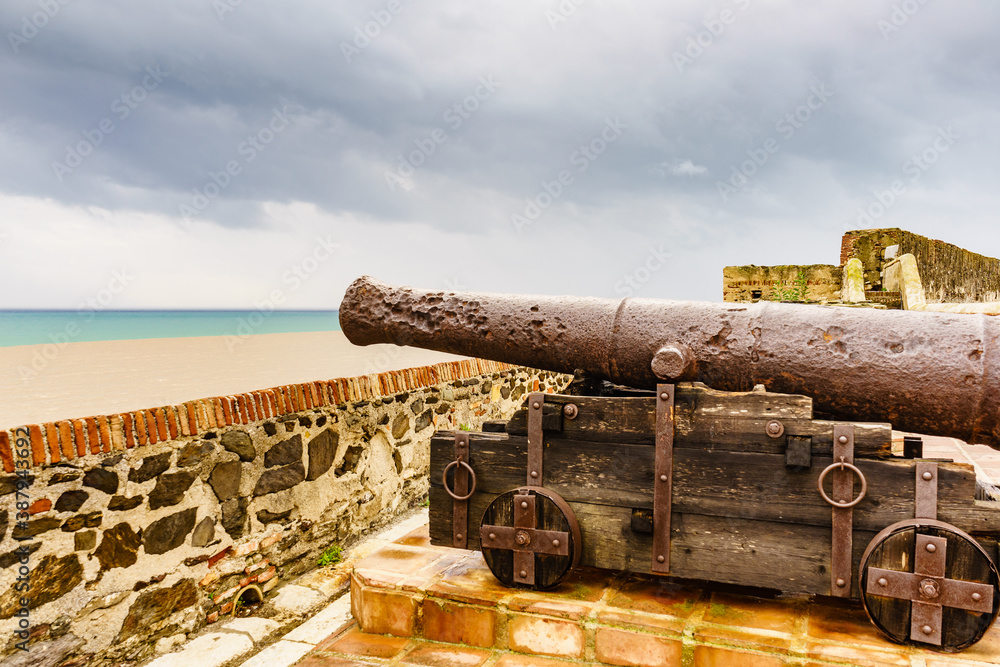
[(119, 530), (948, 273), (753, 283)]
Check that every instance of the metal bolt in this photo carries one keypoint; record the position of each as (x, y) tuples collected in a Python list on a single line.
[(930, 547), (493, 536), (524, 574), (524, 504), (536, 405), (570, 410), (660, 559), (927, 629), (927, 476), (976, 597), (534, 473), (929, 588), (841, 583), (774, 429), (664, 396), (843, 439), (883, 582), (555, 543), (663, 478)]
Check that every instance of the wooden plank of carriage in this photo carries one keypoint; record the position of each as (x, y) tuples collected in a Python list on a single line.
[(730, 421)]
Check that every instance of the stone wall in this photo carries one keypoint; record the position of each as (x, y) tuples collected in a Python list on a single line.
[(755, 283), (948, 273), (119, 530)]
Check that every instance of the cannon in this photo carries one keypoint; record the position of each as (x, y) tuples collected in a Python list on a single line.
[(748, 444)]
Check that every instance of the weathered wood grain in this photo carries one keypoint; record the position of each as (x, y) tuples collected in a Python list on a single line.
[(732, 484), (728, 420)]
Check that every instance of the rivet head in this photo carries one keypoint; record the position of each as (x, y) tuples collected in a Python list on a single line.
[(842, 439), (883, 582), (493, 536), (930, 547), (523, 574), (534, 473), (664, 396), (524, 505), (976, 597), (663, 478), (555, 543), (927, 476), (570, 410), (536, 405), (459, 535), (841, 583), (927, 629), (660, 559)]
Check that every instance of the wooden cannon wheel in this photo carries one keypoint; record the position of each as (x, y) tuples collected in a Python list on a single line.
[(530, 538), (926, 582)]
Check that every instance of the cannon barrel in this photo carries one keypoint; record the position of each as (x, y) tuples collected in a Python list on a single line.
[(930, 373)]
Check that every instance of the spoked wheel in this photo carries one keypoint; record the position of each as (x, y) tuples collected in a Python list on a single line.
[(926, 582), (530, 538)]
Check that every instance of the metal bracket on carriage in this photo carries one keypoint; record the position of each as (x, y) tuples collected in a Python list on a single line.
[(663, 478), (465, 477), (843, 470)]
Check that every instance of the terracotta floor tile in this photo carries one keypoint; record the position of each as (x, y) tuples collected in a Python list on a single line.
[(420, 537), (314, 660), (749, 612), (384, 612), (843, 621), (437, 655), (657, 596), (713, 656), (516, 660), (359, 643), (399, 559), (571, 610), (860, 656), (468, 580), (635, 649), (743, 638), (458, 623), (667, 626)]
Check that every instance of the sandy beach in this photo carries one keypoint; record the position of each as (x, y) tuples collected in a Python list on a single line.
[(40, 383)]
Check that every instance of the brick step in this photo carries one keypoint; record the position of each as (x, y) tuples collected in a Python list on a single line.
[(433, 600)]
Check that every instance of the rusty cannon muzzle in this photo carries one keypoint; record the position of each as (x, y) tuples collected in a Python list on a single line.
[(930, 373)]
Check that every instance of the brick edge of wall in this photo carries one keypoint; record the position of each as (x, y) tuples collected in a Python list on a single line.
[(69, 439)]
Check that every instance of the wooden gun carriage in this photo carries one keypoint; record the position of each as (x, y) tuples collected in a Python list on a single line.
[(669, 476)]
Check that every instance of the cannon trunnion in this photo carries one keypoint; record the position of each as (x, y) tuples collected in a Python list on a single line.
[(743, 488)]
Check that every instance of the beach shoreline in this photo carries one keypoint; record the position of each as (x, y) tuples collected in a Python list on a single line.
[(43, 383)]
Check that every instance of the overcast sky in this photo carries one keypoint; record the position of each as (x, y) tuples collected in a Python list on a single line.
[(224, 153)]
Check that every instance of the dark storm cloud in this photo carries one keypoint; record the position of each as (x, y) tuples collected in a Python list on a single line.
[(734, 114)]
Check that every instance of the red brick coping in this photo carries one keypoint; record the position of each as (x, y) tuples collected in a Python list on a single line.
[(69, 439)]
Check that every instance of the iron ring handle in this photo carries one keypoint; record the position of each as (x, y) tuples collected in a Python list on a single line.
[(843, 464), (444, 480)]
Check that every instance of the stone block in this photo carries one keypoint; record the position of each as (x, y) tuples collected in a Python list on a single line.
[(284, 453), (121, 503), (322, 451), (51, 578), (151, 466), (225, 480), (102, 480), (71, 501), (119, 547), (240, 444), (170, 488), (168, 533), (279, 479)]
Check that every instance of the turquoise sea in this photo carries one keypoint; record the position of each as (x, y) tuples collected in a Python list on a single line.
[(35, 327)]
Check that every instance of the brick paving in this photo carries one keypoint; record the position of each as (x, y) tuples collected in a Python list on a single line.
[(415, 604)]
